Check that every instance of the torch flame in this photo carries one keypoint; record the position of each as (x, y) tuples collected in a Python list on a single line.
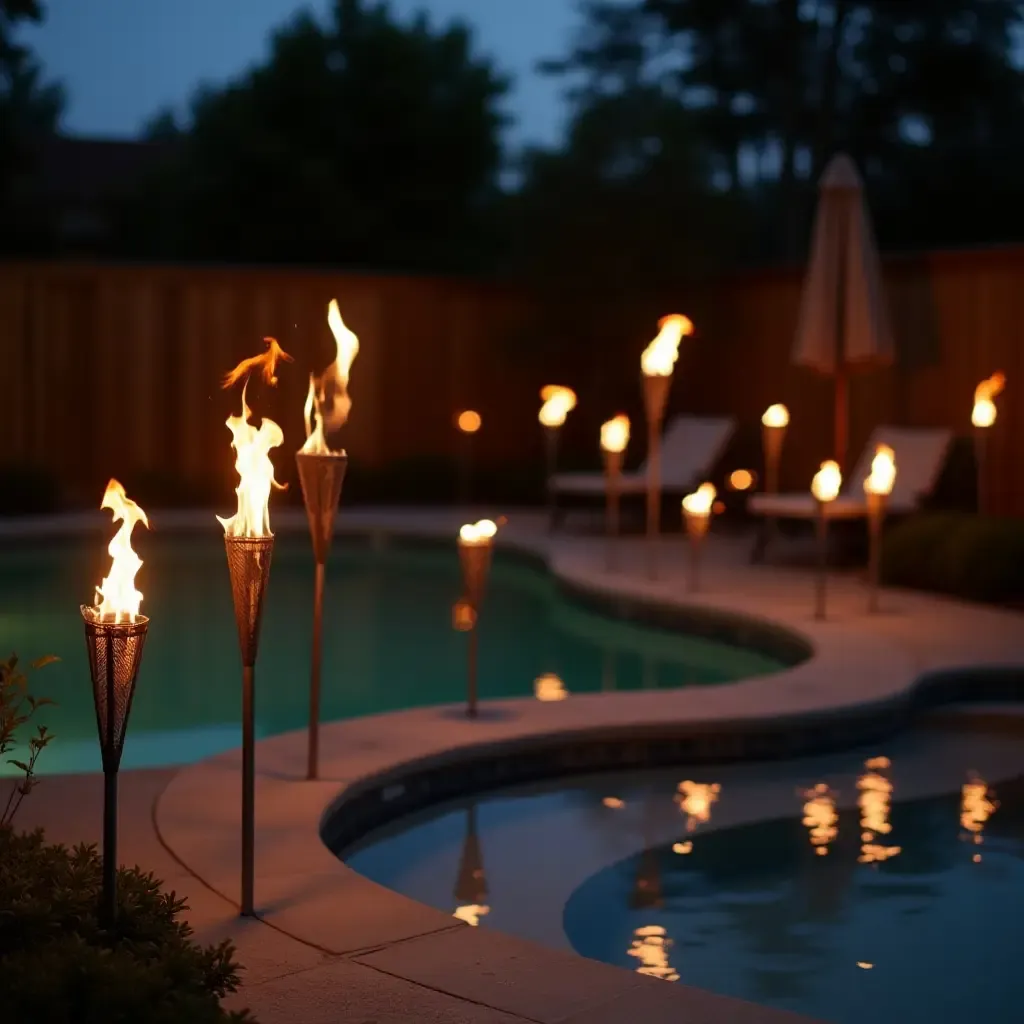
[(558, 403), (660, 356), (549, 687), (701, 501), (984, 412), (883, 471), (776, 416), (615, 433), (328, 403), (116, 597), (252, 452), (827, 481), (481, 532)]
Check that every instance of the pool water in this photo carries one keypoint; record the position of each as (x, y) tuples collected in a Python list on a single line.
[(914, 912), (389, 641)]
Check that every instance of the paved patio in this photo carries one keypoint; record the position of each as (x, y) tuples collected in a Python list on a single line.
[(335, 946)]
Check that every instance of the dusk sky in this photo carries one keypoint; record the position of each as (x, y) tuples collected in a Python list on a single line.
[(121, 60)]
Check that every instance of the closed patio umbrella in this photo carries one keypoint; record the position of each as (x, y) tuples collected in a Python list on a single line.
[(844, 322)]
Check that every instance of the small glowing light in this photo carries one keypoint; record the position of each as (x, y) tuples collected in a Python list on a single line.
[(701, 502), (683, 848), (874, 800), (660, 356), (827, 481), (650, 946), (695, 800), (776, 416), (481, 532), (864, 965), (975, 809), (558, 403), (614, 803), (471, 913), (463, 616), (820, 817), (741, 480), (883, 471), (615, 434), (549, 687), (468, 421), (984, 412)]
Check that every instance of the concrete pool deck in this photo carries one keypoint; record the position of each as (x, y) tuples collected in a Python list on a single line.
[(339, 947)]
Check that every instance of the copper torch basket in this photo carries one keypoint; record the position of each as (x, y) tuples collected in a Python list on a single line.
[(656, 390), (696, 532)]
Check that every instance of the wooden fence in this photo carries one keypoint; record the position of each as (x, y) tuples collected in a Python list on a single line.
[(114, 370)]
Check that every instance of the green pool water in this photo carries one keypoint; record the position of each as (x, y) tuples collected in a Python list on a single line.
[(388, 641)]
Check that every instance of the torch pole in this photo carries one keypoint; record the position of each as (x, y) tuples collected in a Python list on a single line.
[(696, 531), (876, 517), (249, 568), (248, 789), (612, 472), (115, 654), (772, 438), (655, 398), (472, 658), (981, 468), (321, 476), (475, 560), (821, 575), (551, 453)]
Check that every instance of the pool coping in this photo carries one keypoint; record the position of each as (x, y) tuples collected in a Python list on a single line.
[(855, 680)]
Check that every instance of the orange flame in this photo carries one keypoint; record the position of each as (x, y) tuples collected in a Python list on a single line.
[(827, 481), (479, 533), (702, 500), (615, 433), (549, 687), (883, 471), (558, 403), (660, 356), (117, 599), (468, 421), (984, 412), (252, 451), (328, 403), (776, 416)]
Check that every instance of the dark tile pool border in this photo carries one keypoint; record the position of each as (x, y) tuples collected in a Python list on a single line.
[(413, 787)]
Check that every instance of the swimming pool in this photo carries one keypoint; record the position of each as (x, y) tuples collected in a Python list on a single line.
[(914, 912), (388, 641)]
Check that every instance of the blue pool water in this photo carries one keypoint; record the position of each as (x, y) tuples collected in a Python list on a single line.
[(914, 915), (389, 641)]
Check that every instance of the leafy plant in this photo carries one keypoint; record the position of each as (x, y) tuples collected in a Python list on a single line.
[(17, 708), (58, 965)]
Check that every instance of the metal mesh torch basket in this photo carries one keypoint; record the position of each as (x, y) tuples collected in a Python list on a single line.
[(249, 566), (115, 653)]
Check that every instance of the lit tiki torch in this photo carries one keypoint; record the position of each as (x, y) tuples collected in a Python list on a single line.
[(558, 403), (697, 509), (983, 416), (825, 488), (250, 545), (476, 544), (614, 438), (321, 472), (657, 363), (115, 634), (878, 486)]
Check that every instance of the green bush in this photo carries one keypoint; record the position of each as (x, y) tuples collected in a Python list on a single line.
[(970, 556), (58, 966)]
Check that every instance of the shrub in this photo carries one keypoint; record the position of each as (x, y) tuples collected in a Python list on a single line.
[(970, 556), (58, 966)]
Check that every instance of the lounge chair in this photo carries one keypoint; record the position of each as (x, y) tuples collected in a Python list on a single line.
[(920, 455), (690, 447)]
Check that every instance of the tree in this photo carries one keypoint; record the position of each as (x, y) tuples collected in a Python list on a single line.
[(360, 141), (29, 111)]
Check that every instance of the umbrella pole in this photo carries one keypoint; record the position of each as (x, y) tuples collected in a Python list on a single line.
[(842, 424)]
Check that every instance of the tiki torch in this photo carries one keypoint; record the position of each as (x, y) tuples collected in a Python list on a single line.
[(697, 508), (558, 403), (983, 416), (614, 438), (476, 544), (468, 423), (249, 545), (877, 488), (321, 473), (825, 488), (656, 363), (773, 433), (115, 634)]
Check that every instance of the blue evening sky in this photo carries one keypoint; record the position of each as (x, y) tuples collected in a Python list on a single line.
[(121, 60)]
